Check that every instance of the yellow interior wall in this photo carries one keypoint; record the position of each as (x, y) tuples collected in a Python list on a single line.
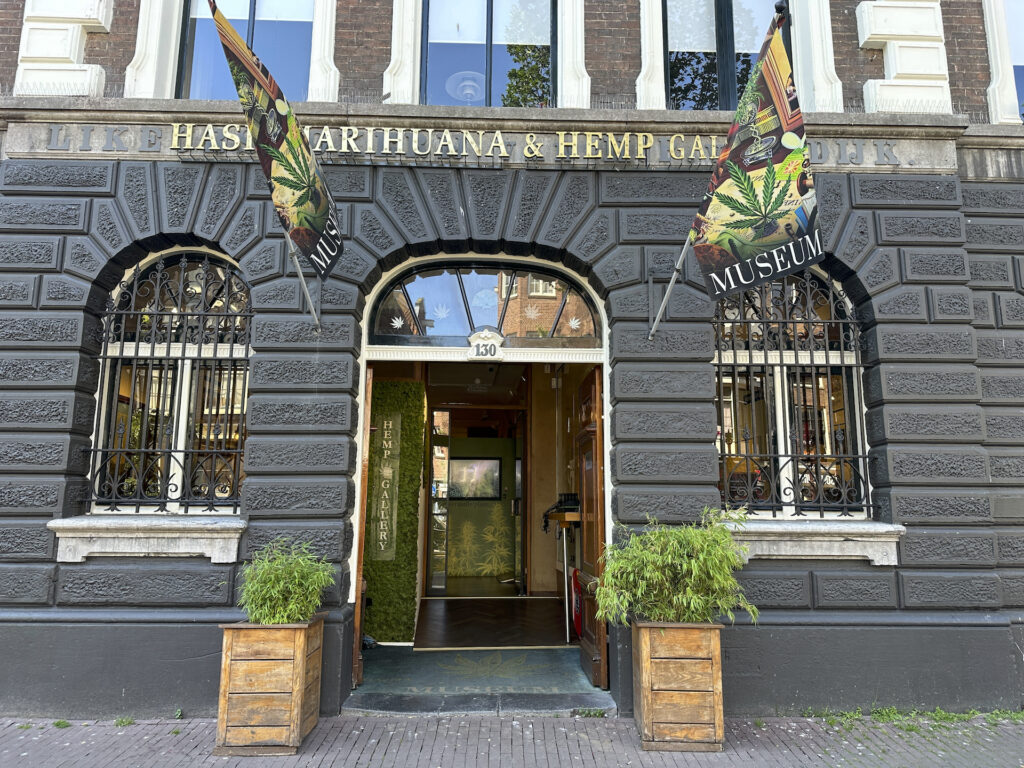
[(541, 482)]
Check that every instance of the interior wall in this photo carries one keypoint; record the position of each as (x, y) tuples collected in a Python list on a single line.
[(541, 480)]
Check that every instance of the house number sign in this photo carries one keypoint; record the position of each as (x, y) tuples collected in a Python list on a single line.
[(486, 346)]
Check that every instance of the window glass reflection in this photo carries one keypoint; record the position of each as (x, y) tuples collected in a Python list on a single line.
[(1015, 32), (444, 312), (482, 294), (692, 57)]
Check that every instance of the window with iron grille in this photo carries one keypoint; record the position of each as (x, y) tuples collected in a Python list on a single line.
[(790, 429), (175, 364)]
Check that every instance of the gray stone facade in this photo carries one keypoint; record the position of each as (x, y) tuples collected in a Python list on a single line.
[(931, 263)]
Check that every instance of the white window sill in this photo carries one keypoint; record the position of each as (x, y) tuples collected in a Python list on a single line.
[(820, 540), (212, 536)]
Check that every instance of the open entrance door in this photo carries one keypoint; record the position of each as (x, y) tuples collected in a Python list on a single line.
[(590, 474)]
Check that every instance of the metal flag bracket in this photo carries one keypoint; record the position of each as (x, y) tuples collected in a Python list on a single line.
[(671, 284), (302, 282)]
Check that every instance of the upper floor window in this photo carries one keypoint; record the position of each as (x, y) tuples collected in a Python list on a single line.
[(497, 53), (710, 48), (1015, 32), (790, 430), (444, 306), (175, 363), (280, 32)]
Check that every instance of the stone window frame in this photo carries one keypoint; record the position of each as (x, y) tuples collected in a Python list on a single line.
[(101, 533), (401, 82), (1003, 105), (814, 67), (158, 40)]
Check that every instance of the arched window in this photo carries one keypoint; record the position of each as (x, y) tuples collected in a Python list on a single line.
[(175, 363), (790, 428), (444, 306)]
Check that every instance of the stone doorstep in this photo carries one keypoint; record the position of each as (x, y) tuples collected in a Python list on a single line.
[(820, 540), (212, 536), (518, 704)]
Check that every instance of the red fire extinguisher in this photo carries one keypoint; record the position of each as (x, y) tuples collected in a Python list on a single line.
[(577, 602)]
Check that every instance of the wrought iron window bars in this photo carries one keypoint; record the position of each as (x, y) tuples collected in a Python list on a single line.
[(175, 349)]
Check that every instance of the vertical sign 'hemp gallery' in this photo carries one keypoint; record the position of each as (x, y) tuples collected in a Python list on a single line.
[(382, 519)]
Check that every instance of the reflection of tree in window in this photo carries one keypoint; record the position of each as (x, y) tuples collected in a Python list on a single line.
[(529, 83)]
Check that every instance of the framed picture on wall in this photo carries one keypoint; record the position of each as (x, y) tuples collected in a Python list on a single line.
[(474, 479)]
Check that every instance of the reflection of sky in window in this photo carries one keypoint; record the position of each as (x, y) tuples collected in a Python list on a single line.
[(482, 294), (1015, 32), (442, 303), (282, 39)]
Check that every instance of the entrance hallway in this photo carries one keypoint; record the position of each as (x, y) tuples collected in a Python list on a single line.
[(501, 622)]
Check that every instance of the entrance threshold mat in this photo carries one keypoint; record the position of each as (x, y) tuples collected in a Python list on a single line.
[(519, 704), (400, 670)]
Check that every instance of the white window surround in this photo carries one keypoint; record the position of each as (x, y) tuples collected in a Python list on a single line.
[(814, 68), (402, 77), (1003, 107), (152, 74), (820, 540), (51, 53), (212, 536)]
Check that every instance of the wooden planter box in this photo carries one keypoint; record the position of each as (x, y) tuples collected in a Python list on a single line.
[(677, 686), (269, 687)]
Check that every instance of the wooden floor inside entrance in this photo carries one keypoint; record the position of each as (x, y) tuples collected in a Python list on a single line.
[(484, 623)]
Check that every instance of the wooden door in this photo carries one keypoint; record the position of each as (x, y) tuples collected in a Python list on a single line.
[(590, 474), (357, 649)]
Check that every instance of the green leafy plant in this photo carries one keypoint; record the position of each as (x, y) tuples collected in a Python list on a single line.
[(24, 726), (675, 573), (178, 714), (121, 722), (759, 211), (284, 583), (175, 732), (61, 724)]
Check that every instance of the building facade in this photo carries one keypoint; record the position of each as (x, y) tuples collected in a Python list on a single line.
[(169, 406)]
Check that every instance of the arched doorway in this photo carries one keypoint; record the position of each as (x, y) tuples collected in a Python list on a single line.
[(497, 368)]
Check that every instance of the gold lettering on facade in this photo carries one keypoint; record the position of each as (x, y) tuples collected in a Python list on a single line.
[(564, 144), (392, 137), (593, 144), (446, 140), (697, 146), (181, 131), (230, 140), (644, 141), (676, 150), (416, 141), (209, 138), (475, 143), (499, 142), (325, 141), (370, 148), (617, 149), (348, 139)]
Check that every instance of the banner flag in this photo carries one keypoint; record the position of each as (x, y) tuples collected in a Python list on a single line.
[(757, 221), (297, 184)]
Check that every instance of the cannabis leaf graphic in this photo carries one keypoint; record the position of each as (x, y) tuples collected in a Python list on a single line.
[(300, 176), (760, 212)]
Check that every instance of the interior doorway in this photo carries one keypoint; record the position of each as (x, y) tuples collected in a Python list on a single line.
[(509, 515)]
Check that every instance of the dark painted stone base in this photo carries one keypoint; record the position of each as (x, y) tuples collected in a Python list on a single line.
[(785, 665), (134, 664), (549, 704)]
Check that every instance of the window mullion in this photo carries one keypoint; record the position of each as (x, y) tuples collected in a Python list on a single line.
[(725, 44), (250, 32)]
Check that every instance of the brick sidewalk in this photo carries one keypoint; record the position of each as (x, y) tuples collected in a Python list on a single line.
[(530, 742)]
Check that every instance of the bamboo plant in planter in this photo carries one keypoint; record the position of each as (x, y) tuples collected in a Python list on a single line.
[(673, 583), (270, 669)]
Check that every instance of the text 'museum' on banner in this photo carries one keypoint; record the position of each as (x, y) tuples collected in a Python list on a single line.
[(297, 185), (757, 221)]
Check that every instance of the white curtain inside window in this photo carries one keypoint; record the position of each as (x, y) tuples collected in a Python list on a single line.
[(750, 20), (232, 9), (691, 25), (454, 21), (284, 10)]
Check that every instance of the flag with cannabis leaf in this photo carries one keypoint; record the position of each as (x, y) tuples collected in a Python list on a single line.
[(298, 188), (757, 221)]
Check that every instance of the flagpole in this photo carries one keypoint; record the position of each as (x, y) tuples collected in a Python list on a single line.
[(302, 283), (671, 283)]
